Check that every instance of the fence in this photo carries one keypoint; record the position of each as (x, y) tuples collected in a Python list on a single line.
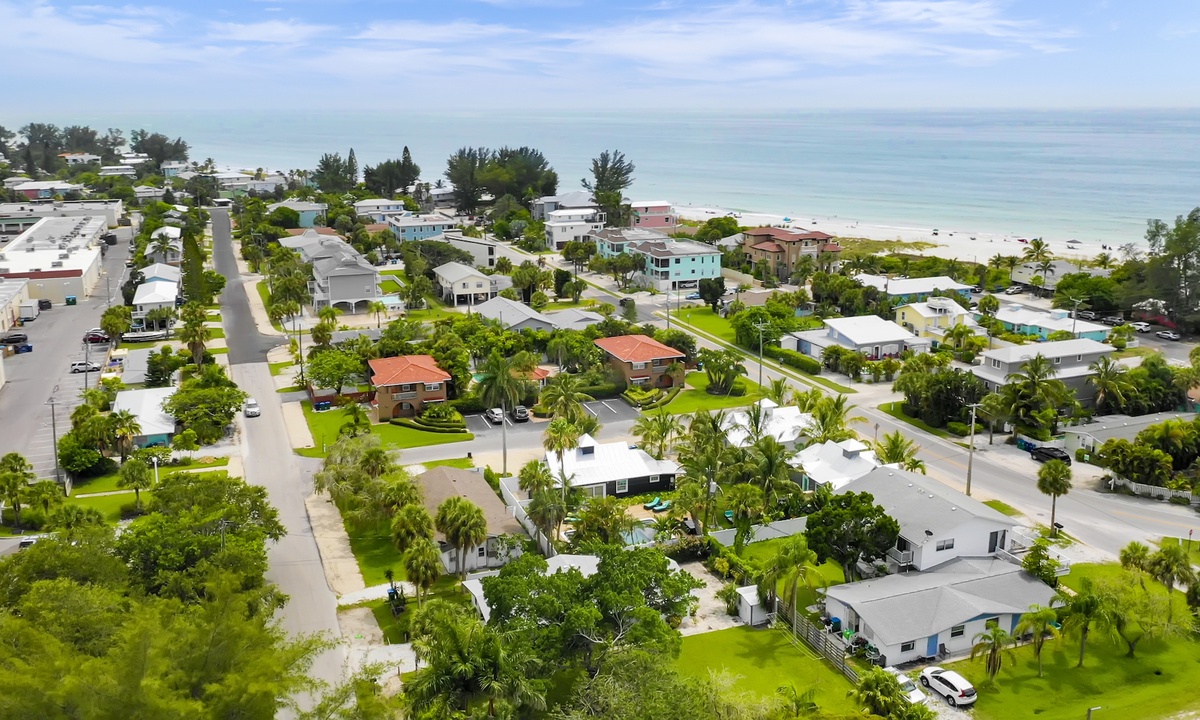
[(817, 638), (517, 508), (1152, 491)]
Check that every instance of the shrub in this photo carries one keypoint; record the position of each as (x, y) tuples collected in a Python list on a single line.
[(468, 404), (540, 411), (1081, 455), (410, 423), (441, 411), (602, 391), (1179, 500), (728, 594), (183, 461), (130, 510), (794, 359), (668, 397), (957, 428), (638, 397)]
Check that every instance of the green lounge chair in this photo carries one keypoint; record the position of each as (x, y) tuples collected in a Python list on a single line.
[(652, 504), (663, 507), (729, 515)]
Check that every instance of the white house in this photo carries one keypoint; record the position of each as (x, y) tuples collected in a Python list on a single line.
[(574, 319), (833, 464), (173, 254), (117, 171), (145, 192), (146, 405), (578, 199), (442, 483), (160, 271), (564, 226), (1091, 436), (616, 468), (912, 289), (784, 423), (869, 335), (153, 295), (379, 209)]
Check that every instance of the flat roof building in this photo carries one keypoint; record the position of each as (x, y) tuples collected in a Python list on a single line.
[(59, 257)]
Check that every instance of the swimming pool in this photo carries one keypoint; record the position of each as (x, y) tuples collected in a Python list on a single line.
[(639, 535)]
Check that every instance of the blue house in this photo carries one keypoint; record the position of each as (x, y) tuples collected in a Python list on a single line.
[(309, 211), (419, 227), (611, 242), (1027, 321), (146, 405)]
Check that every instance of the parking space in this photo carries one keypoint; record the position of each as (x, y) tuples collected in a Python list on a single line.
[(611, 410), (606, 411)]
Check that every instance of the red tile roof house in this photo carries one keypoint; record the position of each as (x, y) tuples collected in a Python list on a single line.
[(782, 247), (640, 360), (404, 385)]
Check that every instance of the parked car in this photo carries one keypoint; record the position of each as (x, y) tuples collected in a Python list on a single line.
[(1142, 327), (948, 684), (252, 409), (1168, 335), (1086, 315), (1113, 320), (520, 413), (94, 337), (693, 296), (84, 367), (624, 302), (1013, 290), (911, 691), (495, 416), (977, 289), (15, 338), (1046, 453)]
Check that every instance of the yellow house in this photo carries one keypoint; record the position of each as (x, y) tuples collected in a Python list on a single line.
[(933, 317)]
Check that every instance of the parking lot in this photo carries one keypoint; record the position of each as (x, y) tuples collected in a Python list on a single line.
[(607, 411)]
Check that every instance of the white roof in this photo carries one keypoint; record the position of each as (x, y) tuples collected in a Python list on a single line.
[(649, 203), (162, 271), (452, 272), (593, 463), (297, 205), (47, 185), (37, 249), (146, 405), (510, 312), (1052, 321), (410, 220), (567, 214), (156, 291), (937, 306), (169, 230), (1058, 348), (577, 198), (910, 286), (868, 329), (376, 203), (574, 318), (786, 424), (836, 463)]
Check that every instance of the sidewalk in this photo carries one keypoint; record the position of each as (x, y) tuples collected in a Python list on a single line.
[(341, 568), (297, 427)]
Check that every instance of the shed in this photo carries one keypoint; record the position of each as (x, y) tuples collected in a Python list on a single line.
[(750, 608)]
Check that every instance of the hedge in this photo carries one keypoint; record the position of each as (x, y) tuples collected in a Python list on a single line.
[(791, 358), (408, 423), (665, 399), (441, 424), (603, 391), (963, 429), (468, 404), (638, 397)]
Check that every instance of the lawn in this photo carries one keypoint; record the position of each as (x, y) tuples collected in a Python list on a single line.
[(761, 661), (326, 426), (215, 332), (396, 273), (703, 318), (1146, 686), (110, 505), (433, 311), (1002, 507), (108, 483), (894, 410), (460, 463), (391, 287), (280, 368), (696, 397), (1134, 352), (265, 294), (148, 345), (760, 552), (375, 554), (395, 629), (1193, 545)]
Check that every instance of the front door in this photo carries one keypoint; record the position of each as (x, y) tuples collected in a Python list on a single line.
[(996, 540)]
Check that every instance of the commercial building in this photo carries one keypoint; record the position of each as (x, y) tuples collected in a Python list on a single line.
[(571, 225), (12, 294), (1071, 360), (675, 264), (404, 385), (419, 227), (19, 217), (59, 256)]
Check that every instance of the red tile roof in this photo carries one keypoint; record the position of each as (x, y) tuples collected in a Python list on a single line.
[(830, 247), (788, 234), (637, 348), (767, 246), (405, 370)]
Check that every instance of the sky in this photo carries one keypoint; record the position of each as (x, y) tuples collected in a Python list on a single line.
[(611, 55)]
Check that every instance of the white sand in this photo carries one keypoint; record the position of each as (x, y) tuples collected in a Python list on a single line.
[(967, 245)]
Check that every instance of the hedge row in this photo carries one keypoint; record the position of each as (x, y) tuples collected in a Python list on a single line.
[(638, 397), (441, 424), (791, 358), (670, 395), (963, 429), (408, 423), (603, 391)]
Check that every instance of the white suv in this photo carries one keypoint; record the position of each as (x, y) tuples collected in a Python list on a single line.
[(1142, 327), (948, 684), (911, 691)]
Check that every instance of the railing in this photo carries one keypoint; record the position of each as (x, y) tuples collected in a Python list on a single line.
[(902, 557), (404, 396), (818, 638)]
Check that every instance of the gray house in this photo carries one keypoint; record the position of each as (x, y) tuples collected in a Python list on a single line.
[(344, 280), (1109, 427), (869, 335), (1071, 360), (615, 468), (513, 315), (459, 284)]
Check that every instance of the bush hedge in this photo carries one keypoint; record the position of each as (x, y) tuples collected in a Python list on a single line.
[(638, 397), (468, 404), (408, 423), (665, 399), (794, 359), (963, 429), (603, 390)]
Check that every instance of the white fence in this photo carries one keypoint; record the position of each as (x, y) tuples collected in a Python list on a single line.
[(511, 494), (1152, 491)]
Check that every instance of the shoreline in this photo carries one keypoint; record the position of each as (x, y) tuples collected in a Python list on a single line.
[(976, 246)]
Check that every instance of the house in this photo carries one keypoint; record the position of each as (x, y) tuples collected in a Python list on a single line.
[(653, 214), (1071, 360), (640, 360), (675, 264), (782, 248), (79, 158), (615, 468), (161, 271), (611, 242), (134, 158), (117, 171), (784, 423), (914, 616), (577, 200), (572, 225), (153, 295), (172, 254), (513, 315), (308, 211), (344, 280), (442, 483), (869, 335), (315, 243), (483, 251), (463, 284), (1050, 275), (1091, 436), (1028, 321), (146, 405), (574, 319), (906, 290), (833, 464), (404, 385), (419, 227), (378, 209), (45, 189), (933, 317), (172, 168), (145, 193)]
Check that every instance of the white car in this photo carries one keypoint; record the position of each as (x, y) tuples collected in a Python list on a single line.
[(1014, 290), (252, 409), (1168, 335), (948, 684), (911, 691), (495, 416), (1142, 327)]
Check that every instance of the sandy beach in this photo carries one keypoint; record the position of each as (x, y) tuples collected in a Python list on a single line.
[(968, 245)]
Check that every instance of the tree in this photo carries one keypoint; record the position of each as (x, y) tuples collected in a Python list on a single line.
[(535, 477), (1171, 566), (423, 565), (897, 449), (850, 528), (116, 321), (747, 503), (611, 175), (1079, 610), (1040, 622), (463, 170), (463, 524), (832, 419), (15, 475), (656, 431), (564, 398), (124, 427), (988, 305), (793, 565), (500, 385), (547, 510), (560, 437), (1054, 479), (161, 366), (194, 333), (137, 475), (334, 368), (185, 442), (722, 368), (992, 644), (1135, 556), (1111, 381), (411, 524), (879, 692)]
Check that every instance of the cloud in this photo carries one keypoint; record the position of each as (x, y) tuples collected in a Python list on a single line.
[(433, 33), (969, 18), (268, 31)]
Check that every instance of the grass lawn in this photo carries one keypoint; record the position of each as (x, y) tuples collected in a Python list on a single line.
[(696, 397), (325, 427), (148, 345), (1150, 685), (108, 483), (110, 505), (218, 351), (216, 332), (375, 554), (703, 318), (1194, 552), (280, 368), (1002, 507), (1134, 352), (396, 628), (760, 552), (567, 304), (396, 273), (290, 388), (391, 287), (265, 294), (761, 661), (460, 463), (432, 311), (894, 410)]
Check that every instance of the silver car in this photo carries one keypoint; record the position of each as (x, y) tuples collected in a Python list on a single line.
[(252, 409), (911, 691)]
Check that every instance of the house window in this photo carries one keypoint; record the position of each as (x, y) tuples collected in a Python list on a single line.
[(995, 363), (958, 631), (992, 622), (639, 366), (945, 544), (908, 646), (1057, 361), (623, 485), (430, 387), (1078, 358), (482, 550), (654, 478), (406, 388), (639, 380)]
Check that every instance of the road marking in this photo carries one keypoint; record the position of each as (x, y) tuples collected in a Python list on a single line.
[(605, 404), (589, 409)]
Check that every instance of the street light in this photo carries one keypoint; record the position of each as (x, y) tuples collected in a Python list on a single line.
[(154, 459), (971, 446), (53, 403), (760, 327)]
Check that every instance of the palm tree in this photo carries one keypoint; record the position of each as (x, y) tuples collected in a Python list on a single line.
[(1103, 261), (656, 431), (1171, 566), (547, 510), (793, 564), (799, 704), (1111, 382), (992, 644), (771, 465), (136, 474), (996, 410), (423, 565), (70, 518), (831, 420), (1034, 392), (561, 437), (563, 397), (958, 334), (379, 308), (1037, 251), (357, 421), (82, 413), (1080, 609), (45, 495), (535, 477), (747, 503), (777, 390), (15, 475), (411, 524), (500, 386), (1054, 479), (879, 692), (376, 462), (899, 450), (1041, 622), (1135, 556), (124, 427), (463, 524)]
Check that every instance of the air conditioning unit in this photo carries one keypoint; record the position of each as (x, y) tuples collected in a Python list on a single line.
[(64, 256), (30, 249), (35, 269), (4, 271), (56, 263)]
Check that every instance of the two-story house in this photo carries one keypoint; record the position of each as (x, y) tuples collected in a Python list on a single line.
[(1071, 360), (640, 360), (418, 227), (573, 200), (161, 271), (345, 281), (958, 574), (404, 385), (442, 483), (379, 209), (652, 214), (611, 242), (1028, 321), (483, 251), (153, 295), (309, 212), (616, 468), (459, 284), (172, 254), (1026, 272), (869, 335), (782, 248), (676, 264), (933, 317), (572, 224)]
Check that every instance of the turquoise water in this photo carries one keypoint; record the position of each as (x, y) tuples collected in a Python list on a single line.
[(1092, 175)]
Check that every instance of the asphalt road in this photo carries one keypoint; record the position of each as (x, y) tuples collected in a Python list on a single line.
[(246, 343)]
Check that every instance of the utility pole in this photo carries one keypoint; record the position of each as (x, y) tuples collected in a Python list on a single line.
[(53, 403), (87, 362), (760, 327), (971, 446), (1075, 315)]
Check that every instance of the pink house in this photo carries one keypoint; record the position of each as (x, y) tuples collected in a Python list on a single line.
[(652, 214)]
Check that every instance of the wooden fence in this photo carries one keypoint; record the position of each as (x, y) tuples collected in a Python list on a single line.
[(816, 637)]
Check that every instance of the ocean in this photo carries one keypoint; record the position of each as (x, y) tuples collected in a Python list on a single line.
[(1092, 175)]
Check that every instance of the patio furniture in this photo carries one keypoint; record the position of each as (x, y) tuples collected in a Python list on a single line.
[(663, 507), (729, 515), (652, 504)]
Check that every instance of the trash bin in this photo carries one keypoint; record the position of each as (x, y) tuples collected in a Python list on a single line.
[(71, 300)]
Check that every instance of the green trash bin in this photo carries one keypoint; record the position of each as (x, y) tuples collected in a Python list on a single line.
[(71, 300)]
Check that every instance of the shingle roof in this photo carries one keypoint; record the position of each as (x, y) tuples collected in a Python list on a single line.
[(441, 483), (452, 272), (406, 369), (574, 318), (636, 348), (510, 312), (1124, 426), (920, 503), (1058, 348), (155, 291)]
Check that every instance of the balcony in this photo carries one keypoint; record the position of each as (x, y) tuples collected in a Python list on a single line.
[(411, 395)]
